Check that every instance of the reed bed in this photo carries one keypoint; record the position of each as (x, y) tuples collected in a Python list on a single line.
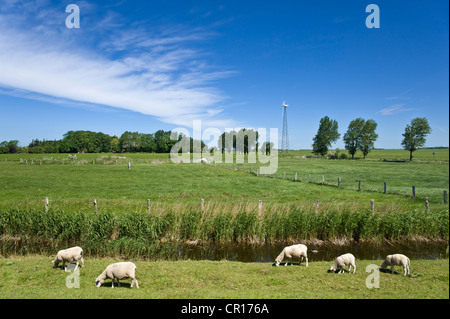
[(161, 234)]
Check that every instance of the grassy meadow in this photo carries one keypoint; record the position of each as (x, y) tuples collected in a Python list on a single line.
[(26, 179), (34, 277)]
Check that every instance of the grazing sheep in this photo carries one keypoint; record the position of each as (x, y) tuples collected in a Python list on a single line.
[(289, 252), (397, 260), (204, 161), (120, 270), (342, 261), (69, 255)]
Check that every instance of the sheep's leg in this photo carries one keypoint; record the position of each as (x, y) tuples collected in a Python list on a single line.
[(112, 283), (392, 269), (306, 259), (406, 269), (354, 268), (118, 282), (76, 265), (82, 262)]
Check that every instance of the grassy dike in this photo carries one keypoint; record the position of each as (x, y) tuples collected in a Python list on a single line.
[(34, 277)]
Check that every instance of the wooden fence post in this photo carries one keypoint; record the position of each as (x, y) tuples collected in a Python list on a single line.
[(95, 206), (129, 165), (316, 205), (284, 176), (46, 204), (148, 206), (295, 179), (323, 179), (203, 204), (427, 204), (384, 188), (372, 204), (359, 186), (309, 178), (339, 182), (414, 192), (445, 197)]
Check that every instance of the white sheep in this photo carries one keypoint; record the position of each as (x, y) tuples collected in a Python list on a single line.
[(120, 270), (69, 255), (289, 252), (397, 260), (342, 261), (204, 160)]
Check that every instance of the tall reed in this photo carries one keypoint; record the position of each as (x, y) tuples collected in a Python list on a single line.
[(158, 235)]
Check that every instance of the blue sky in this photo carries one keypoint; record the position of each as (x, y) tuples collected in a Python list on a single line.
[(149, 65)]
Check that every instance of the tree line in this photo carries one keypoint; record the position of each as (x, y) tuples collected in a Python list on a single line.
[(361, 136), (97, 142), (243, 141)]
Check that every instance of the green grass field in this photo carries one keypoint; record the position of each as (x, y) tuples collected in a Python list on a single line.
[(34, 277), (26, 179)]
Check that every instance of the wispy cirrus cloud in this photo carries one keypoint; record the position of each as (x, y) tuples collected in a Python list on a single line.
[(396, 98), (395, 109), (158, 74)]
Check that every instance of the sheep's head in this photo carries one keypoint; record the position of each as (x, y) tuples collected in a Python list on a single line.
[(99, 281), (386, 262), (276, 263), (336, 264)]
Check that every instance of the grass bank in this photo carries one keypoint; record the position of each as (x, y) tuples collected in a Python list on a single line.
[(34, 277)]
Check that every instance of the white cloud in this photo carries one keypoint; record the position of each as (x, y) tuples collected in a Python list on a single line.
[(394, 109), (153, 75)]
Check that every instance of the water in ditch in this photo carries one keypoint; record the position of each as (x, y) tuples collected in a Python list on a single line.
[(246, 252), (317, 251)]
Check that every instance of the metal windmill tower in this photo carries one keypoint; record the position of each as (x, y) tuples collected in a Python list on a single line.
[(285, 135)]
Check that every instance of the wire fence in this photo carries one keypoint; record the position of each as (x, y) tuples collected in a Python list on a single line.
[(210, 205)]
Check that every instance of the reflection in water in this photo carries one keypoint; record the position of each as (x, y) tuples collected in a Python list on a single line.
[(243, 252), (326, 251)]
